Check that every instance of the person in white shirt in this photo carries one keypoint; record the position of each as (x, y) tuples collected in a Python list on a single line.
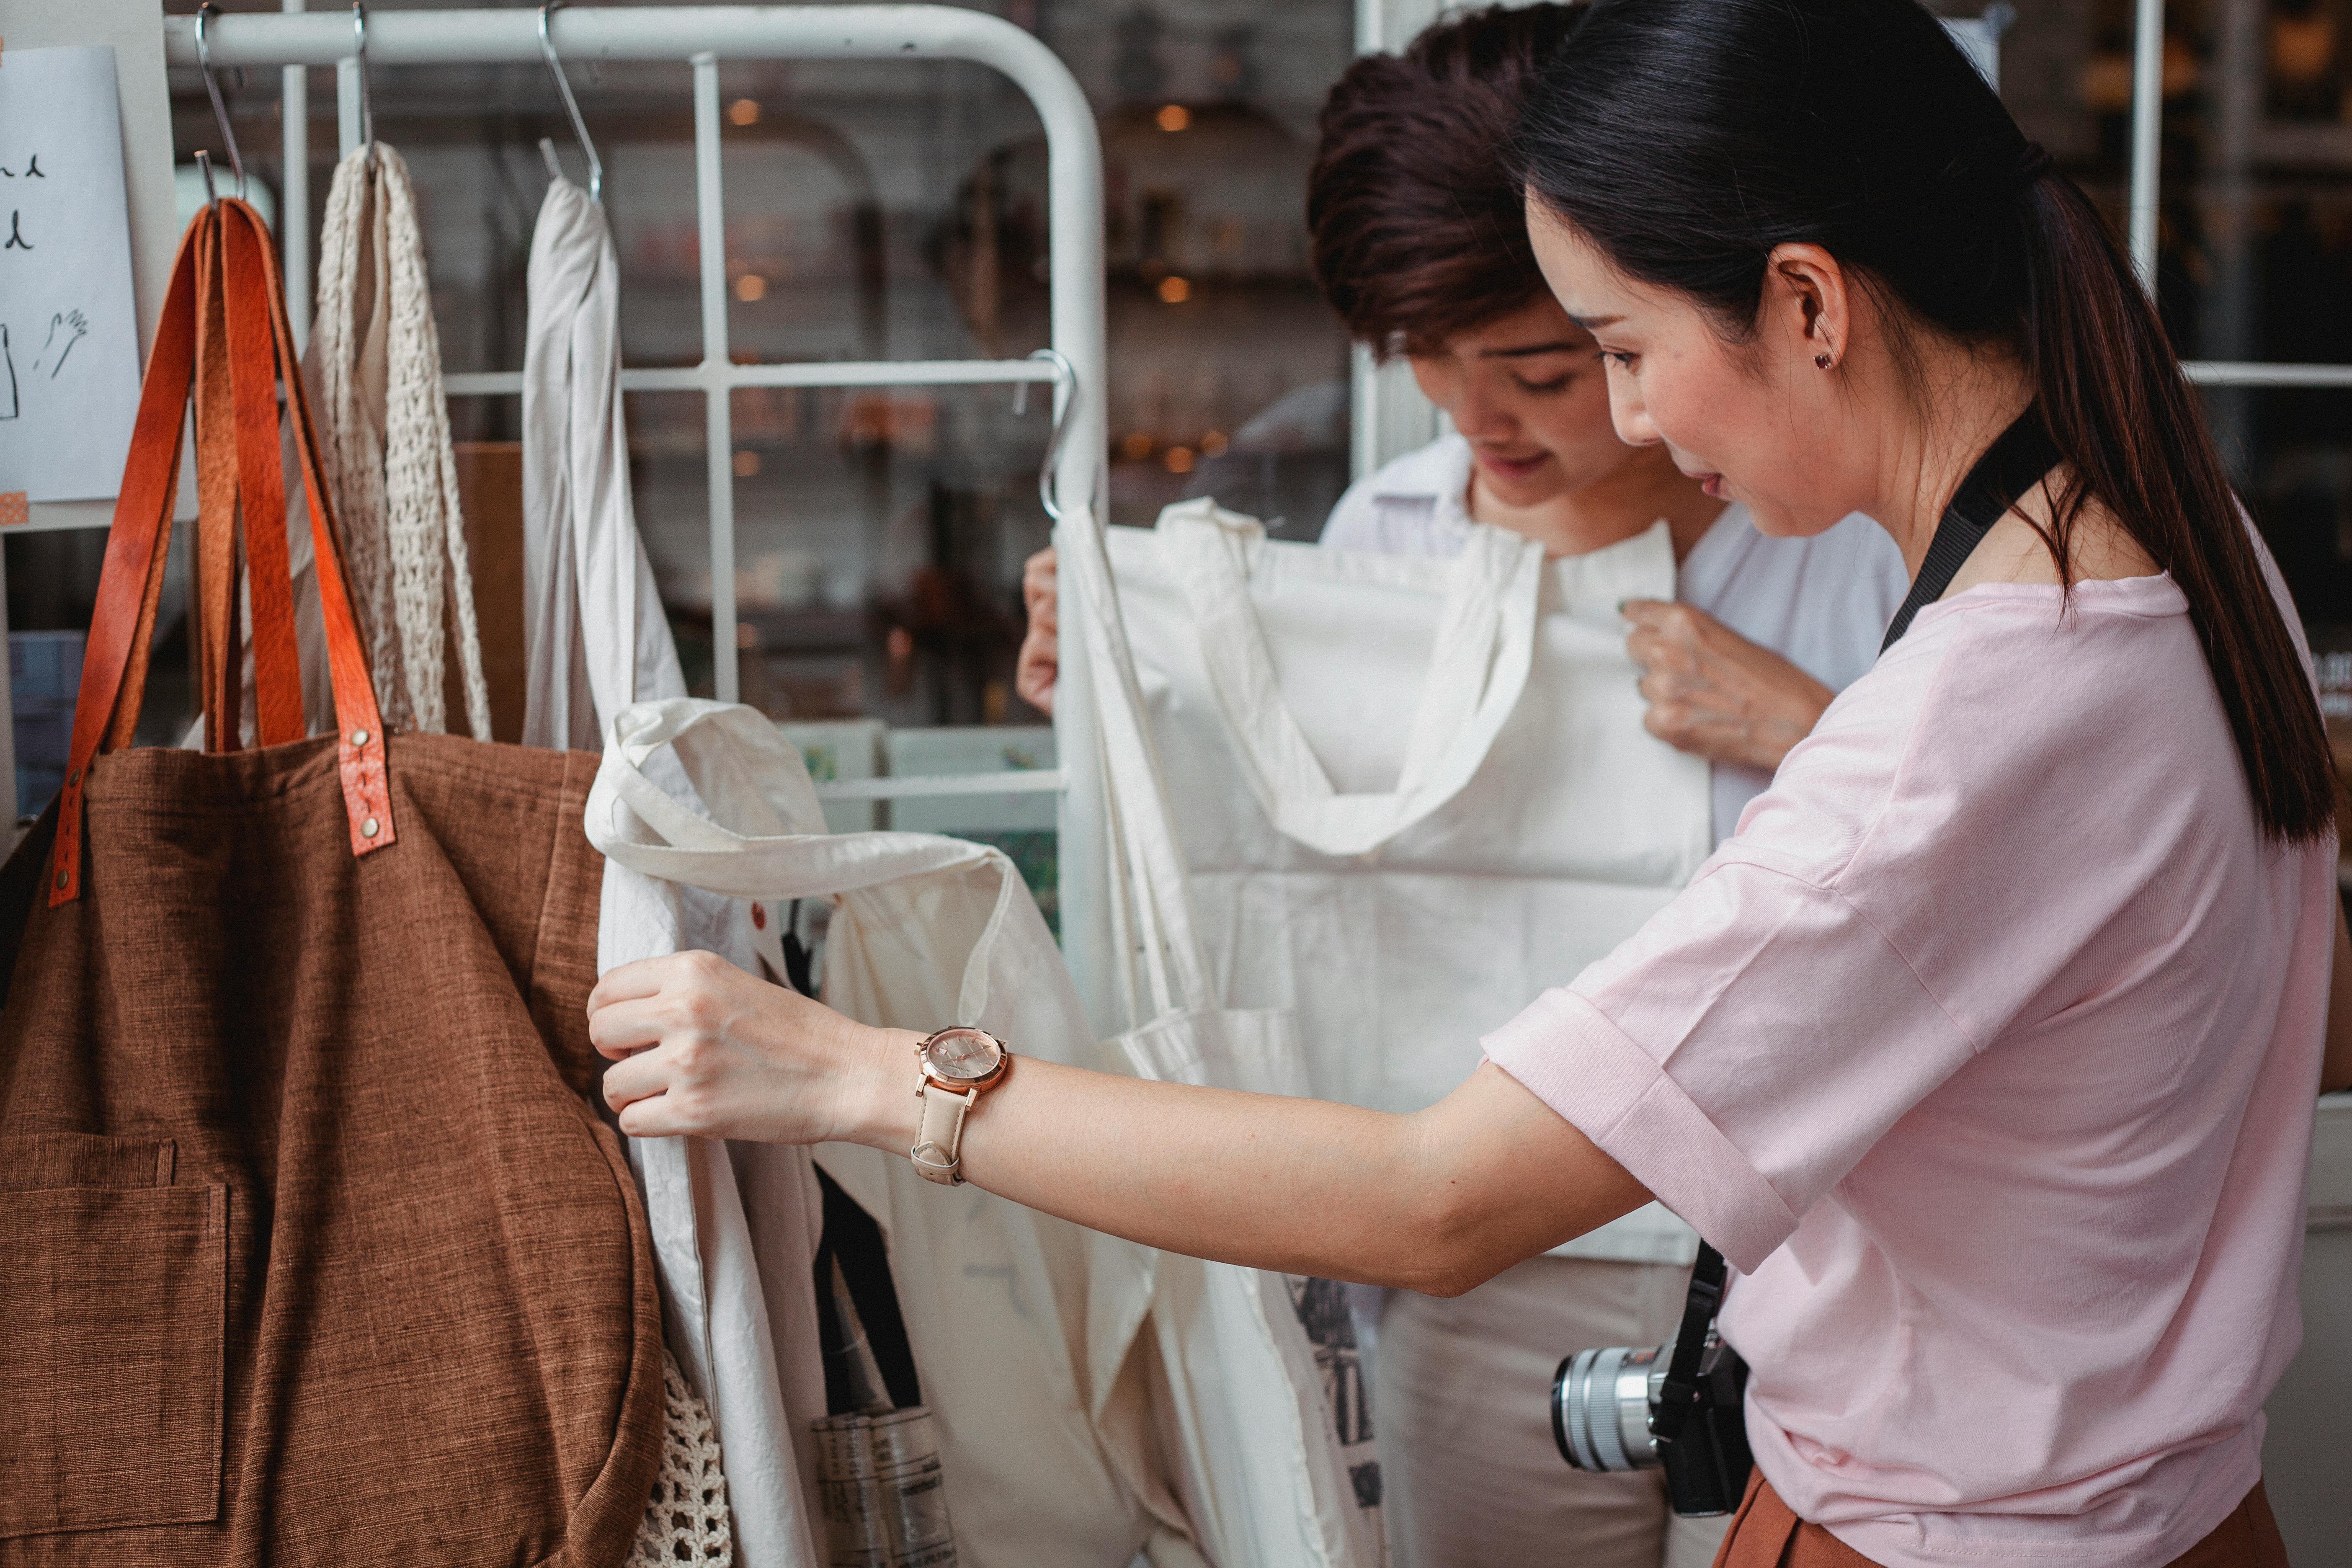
[(1421, 244)]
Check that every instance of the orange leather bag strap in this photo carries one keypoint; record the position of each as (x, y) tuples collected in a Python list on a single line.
[(250, 285), (225, 301)]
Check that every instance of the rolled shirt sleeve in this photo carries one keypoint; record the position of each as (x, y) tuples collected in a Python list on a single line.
[(1733, 1055), (1894, 901)]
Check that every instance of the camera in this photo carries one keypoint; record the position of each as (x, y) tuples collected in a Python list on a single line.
[(1675, 1407)]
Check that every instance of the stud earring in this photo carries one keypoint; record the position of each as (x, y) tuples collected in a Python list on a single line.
[(1822, 362)]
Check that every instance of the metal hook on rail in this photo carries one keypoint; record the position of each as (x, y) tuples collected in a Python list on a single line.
[(1065, 404), (571, 104), (204, 14), (367, 110)]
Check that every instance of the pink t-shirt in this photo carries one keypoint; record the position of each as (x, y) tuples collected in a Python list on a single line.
[(1986, 1051)]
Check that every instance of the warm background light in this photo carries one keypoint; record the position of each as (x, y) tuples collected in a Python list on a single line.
[(1174, 290), (1174, 117), (749, 287), (743, 111)]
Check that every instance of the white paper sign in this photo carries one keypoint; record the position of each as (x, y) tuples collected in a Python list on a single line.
[(68, 335)]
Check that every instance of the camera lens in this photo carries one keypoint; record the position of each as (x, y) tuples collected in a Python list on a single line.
[(1601, 1403)]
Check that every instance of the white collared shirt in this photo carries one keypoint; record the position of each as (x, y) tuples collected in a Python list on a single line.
[(1822, 603)]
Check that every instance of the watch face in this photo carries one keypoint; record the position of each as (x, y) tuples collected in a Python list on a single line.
[(963, 1054)]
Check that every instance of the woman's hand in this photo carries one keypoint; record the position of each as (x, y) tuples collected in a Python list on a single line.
[(1264, 1180), (702, 1048), (1040, 664), (1714, 693)]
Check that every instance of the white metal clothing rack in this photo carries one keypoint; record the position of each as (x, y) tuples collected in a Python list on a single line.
[(700, 36)]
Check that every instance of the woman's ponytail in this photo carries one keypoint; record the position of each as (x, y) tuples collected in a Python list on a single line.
[(1686, 139), (2133, 432)]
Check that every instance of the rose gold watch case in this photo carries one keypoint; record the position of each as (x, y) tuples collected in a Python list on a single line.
[(975, 1086)]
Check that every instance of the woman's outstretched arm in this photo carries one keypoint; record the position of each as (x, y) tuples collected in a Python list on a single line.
[(1437, 1201)]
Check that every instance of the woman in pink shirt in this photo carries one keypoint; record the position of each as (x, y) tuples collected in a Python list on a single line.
[(1986, 1050)]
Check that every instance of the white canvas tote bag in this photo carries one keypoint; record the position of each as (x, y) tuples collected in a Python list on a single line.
[(733, 1239), (1412, 793), (1046, 1449), (1264, 1478)]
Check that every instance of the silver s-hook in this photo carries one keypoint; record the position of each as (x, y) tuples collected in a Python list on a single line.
[(571, 104), (204, 14), (1065, 404), (367, 110)]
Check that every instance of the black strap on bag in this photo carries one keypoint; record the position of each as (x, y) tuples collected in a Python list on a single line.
[(2010, 468)]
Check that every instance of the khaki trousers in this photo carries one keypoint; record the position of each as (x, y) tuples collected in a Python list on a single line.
[(1462, 1408)]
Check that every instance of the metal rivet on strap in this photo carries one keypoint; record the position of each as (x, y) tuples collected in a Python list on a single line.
[(61, 879), (369, 828), (359, 737), (73, 779)]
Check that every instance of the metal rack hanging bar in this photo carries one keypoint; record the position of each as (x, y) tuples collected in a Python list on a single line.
[(703, 35), (766, 32), (915, 786), (2254, 372), (816, 372)]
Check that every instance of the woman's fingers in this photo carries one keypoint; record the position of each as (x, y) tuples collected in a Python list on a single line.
[(624, 1028), (1037, 575), (637, 1078), (1714, 693), (1039, 664), (1038, 668), (628, 982), (702, 1046)]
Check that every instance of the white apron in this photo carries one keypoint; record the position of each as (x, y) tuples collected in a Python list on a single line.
[(1412, 793)]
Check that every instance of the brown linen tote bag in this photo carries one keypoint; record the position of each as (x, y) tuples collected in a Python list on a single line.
[(311, 1247)]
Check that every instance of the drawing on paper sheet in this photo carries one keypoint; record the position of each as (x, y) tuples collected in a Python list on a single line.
[(68, 329)]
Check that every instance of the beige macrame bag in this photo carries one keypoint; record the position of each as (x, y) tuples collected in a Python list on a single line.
[(374, 363), (686, 1520)]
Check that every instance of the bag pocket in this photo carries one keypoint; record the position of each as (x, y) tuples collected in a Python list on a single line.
[(113, 1289)]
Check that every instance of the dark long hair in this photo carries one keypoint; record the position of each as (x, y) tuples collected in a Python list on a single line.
[(1685, 138), (1419, 223)]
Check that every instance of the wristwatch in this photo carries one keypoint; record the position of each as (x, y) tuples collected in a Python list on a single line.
[(959, 1064)]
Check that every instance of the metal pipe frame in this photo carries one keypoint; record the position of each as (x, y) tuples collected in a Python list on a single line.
[(701, 36), (2147, 133)]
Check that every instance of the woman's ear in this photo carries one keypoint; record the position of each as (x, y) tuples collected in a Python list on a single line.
[(1808, 306)]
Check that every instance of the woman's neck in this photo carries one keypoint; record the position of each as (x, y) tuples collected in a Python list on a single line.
[(1612, 508), (1957, 406)]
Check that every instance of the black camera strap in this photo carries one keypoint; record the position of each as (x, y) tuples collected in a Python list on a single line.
[(1680, 1390), (2010, 467)]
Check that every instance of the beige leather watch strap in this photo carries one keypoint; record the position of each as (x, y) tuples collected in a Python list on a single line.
[(938, 1137)]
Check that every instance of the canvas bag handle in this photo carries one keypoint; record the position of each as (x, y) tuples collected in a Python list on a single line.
[(765, 837), (224, 334), (1151, 896), (1477, 669)]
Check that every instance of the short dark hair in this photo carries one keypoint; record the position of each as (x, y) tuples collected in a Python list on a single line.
[(1417, 216)]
